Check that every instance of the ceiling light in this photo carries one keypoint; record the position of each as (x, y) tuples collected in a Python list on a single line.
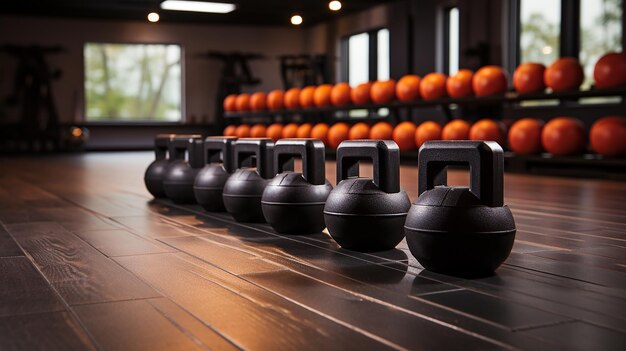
[(334, 5), (296, 20), (153, 17), (198, 6)]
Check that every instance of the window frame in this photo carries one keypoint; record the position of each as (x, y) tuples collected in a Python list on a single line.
[(570, 36), (372, 54), (445, 42), (138, 122)]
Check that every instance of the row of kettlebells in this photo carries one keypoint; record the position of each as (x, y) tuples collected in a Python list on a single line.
[(452, 230)]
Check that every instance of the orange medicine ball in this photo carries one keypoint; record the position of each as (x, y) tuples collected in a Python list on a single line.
[(306, 98), (359, 131), (320, 131), (292, 98), (408, 88), (563, 136), (230, 130), (404, 135), (321, 97), (243, 131), (242, 103), (290, 130), (340, 94), (525, 136), (381, 131), (360, 95), (426, 131), (457, 129), (488, 130), (304, 131), (384, 91), (275, 131), (258, 131), (338, 133)]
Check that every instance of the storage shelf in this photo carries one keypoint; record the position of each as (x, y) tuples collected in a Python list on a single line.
[(508, 98)]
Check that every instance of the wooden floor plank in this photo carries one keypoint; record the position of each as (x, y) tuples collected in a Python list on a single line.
[(120, 243), (43, 331), (78, 272), (581, 336), (244, 314), (403, 327), (562, 288), (8, 246), (133, 326), (388, 285), (192, 326), (23, 290)]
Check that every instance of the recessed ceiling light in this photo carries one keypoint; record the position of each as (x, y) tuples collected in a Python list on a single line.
[(296, 20), (334, 5), (153, 17), (198, 6)]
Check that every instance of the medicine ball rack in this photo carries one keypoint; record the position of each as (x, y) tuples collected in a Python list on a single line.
[(508, 98), (586, 165)]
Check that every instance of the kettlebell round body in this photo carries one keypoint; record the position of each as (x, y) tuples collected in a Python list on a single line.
[(460, 231), (244, 188), (209, 183), (450, 232), (180, 174), (178, 182), (242, 195), (153, 178), (208, 187), (361, 217), (291, 205), (367, 214)]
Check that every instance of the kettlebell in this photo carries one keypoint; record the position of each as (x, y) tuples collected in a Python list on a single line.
[(365, 214), (293, 203), (153, 178), (181, 173), (210, 181), (460, 231), (243, 190)]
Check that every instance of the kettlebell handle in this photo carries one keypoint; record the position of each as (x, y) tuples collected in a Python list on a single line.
[(192, 144), (261, 148), (161, 145), (312, 153), (485, 160), (384, 154), (214, 147)]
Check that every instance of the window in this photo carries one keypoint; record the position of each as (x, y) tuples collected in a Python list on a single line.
[(365, 57), (540, 22), (133, 82), (600, 32), (358, 58), (583, 28), (383, 54), (451, 41)]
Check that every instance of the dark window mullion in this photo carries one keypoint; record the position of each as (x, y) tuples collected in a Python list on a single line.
[(345, 60), (373, 55), (569, 42)]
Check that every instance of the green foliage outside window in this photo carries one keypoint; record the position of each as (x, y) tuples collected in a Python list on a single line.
[(132, 82)]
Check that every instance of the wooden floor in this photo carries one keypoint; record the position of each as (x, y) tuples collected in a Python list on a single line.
[(89, 261)]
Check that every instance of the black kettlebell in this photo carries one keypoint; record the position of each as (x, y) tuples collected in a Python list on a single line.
[(181, 173), (293, 203), (460, 231), (243, 190), (366, 214), (210, 181), (153, 178)]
